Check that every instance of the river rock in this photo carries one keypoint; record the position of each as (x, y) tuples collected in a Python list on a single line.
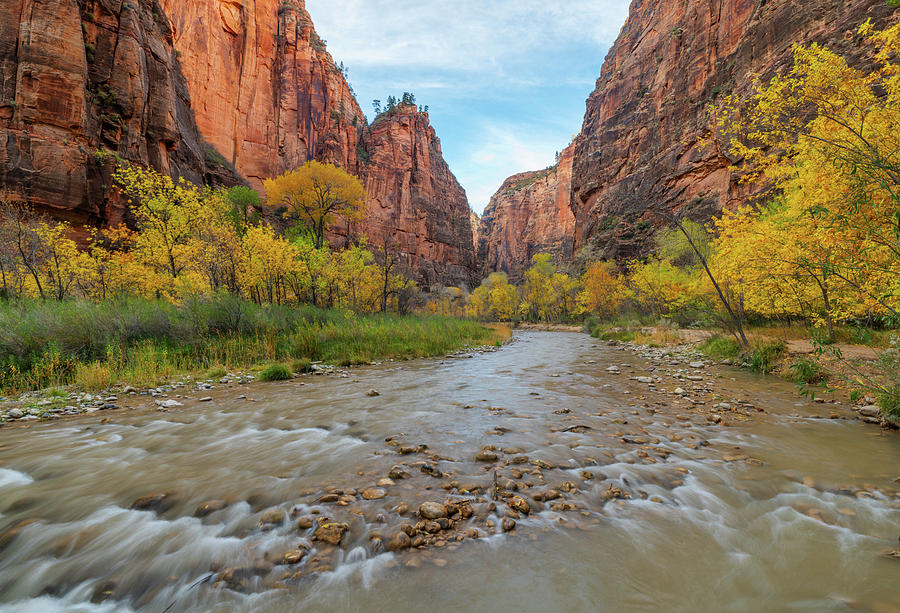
[(647, 380), (397, 473), (508, 524), (399, 542), (373, 493), (293, 557), (518, 503), (153, 502), (870, 411), (613, 369), (304, 523), (271, 517), (168, 404), (210, 507), (373, 393), (698, 364), (432, 510), (331, 532), (486, 455), (16, 414)]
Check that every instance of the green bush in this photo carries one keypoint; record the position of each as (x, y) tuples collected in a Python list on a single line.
[(807, 371), (275, 372), (721, 347), (764, 357), (302, 366), (889, 403)]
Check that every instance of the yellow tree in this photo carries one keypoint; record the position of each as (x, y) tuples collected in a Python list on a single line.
[(824, 118), (316, 195), (603, 292)]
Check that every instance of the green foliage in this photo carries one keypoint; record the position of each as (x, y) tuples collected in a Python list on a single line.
[(807, 371), (721, 347), (889, 403), (301, 366), (275, 372), (145, 342), (765, 356), (613, 334)]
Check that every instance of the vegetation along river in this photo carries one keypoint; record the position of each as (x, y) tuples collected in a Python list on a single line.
[(565, 475)]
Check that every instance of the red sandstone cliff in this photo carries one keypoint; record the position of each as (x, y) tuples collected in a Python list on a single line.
[(529, 214), (265, 91), (415, 202), (637, 154), (257, 84), (78, 76)]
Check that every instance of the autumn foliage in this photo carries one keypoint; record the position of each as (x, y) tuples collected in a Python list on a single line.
[(190, 241)]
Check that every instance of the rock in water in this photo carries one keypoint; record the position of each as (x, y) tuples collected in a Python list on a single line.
[(331, 532), (432, 510), (374, 493), (372, 393), (399, 542)]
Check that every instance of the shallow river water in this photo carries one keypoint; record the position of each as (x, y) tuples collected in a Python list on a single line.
[(659, 508)]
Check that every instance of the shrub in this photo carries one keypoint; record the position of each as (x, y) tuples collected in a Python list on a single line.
[(889, 403), (807, 371), (275, 372), (217, 372), (302, 366), (764, 357), (721, 347), (93, 376)]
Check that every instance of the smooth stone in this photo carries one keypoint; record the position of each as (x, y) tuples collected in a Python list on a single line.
[(210, 507), (331, 532), (16, 414), (870, 411), (153, 502), (486, 456), (374, 493), (373, 393), (272, 516), (399, 542), (432, 510), (508, 524)]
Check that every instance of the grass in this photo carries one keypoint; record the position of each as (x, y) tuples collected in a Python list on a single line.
[(721, 347), (765, 356), (275, 372), (807, 371), (144, 343)]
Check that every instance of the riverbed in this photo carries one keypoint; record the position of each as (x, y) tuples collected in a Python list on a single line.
[(734, 495)]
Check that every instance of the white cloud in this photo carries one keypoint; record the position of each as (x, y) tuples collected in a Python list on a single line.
[(481, 36), (506, 80)]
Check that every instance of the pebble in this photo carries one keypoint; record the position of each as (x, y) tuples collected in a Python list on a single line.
[(169, 404), (15, 414), (331, 532), (399, 542), (486, 456), (870, 411), (373, 393), (508, 524)]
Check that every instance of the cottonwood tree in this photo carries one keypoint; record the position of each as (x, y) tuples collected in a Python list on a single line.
[(315, 196)]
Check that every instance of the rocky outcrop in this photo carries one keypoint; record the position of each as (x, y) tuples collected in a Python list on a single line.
[(78, 77), (637, 157), (266, 92), (529, 214), (415, 204), (144, 80)]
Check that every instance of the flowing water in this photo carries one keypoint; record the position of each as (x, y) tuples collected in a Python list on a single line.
[(660, 509)]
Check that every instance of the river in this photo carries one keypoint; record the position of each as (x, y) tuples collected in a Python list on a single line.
[(659, 508)]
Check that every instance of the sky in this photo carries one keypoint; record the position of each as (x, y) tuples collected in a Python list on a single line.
[(505, 80)]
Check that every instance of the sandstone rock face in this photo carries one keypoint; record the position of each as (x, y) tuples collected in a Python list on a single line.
[(269, 96), (80, 76), (637, 154), (265, 91), (415, 203), (530, 214)]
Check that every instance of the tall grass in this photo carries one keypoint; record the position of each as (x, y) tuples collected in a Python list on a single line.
[(144, 342)]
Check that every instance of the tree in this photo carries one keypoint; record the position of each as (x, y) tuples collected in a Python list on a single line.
[(387, 256), (603, 292), (315, 195), (246, 207), (376, 104)]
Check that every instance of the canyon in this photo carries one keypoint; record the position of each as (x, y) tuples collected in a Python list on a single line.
[(531, 213), (638, 160), (220, 92)]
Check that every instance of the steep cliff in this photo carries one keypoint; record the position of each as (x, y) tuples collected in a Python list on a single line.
[(415, 203), (265, 91), (529, 214), (269, 96), (637, 154), (81, 76)]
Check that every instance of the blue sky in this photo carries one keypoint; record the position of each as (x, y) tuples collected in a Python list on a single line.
[(506, 80)]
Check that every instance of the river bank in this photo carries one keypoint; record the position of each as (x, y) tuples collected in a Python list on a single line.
[(550, 464)]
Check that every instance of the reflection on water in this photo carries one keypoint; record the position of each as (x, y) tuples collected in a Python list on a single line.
[(666, 512)]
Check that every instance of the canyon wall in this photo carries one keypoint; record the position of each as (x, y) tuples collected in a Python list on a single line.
[(637, 157), (217, 91), (529, 214), (416, 206), (78, 77)]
